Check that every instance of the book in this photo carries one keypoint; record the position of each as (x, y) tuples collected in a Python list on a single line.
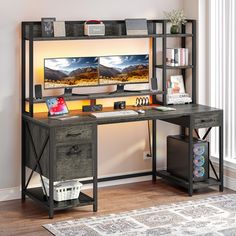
[(136, 26), (177, 56)]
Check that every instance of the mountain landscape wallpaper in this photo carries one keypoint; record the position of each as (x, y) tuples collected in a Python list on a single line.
[(124, 69), (70, 72)]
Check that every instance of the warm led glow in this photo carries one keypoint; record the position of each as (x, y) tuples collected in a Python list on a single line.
[(83, 48), (72, 105)]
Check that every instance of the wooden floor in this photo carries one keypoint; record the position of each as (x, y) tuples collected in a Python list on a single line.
[(17, 218)]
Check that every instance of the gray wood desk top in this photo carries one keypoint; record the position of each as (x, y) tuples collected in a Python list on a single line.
[(150, 114)]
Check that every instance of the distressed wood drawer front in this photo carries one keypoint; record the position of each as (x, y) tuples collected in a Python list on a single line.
[(74, 161), (74, 133), (207, 120)]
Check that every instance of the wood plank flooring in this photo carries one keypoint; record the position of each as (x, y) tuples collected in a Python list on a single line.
[(18, 218)]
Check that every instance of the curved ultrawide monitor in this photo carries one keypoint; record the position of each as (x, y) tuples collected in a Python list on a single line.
[(124, 69), (70, 72)]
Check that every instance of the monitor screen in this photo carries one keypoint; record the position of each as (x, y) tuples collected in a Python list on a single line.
[(70, 72), (56, 106), (124, 69)]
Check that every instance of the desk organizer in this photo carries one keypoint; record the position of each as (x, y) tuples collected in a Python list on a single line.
[(63, 190)]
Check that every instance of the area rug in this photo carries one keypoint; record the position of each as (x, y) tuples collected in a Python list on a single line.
[(213, 216)]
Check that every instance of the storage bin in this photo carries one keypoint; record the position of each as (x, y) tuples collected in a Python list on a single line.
[(63, 190)]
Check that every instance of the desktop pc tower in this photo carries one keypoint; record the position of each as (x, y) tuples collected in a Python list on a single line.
[(177, 158)]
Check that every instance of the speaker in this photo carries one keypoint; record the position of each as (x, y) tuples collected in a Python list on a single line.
[(89, 108), (177, 158), (154, 86), (38, 91)]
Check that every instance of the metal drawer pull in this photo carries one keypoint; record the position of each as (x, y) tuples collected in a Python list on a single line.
[(73, 135), (74, 150), (209, 120)]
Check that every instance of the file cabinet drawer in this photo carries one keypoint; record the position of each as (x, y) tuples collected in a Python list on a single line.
[(74, 133), (207, 120), (74, 161)]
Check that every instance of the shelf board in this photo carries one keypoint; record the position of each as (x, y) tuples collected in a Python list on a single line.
[(101, 95), (84, 37), (181, 182), (37, 195), (175, 67), (178, 35)]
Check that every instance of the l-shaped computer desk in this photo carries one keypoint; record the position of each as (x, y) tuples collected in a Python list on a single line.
[(63, 150)]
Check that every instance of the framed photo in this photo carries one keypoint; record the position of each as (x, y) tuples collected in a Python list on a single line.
[(59, 28), (47, 26), (176, 84)]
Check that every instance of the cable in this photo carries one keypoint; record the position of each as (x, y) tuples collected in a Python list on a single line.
[(149, 139)]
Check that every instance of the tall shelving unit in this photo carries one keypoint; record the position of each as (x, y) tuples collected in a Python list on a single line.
[(164, 67)]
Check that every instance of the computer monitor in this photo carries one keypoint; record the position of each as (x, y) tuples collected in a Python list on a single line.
[(70, 72), (124, 69)]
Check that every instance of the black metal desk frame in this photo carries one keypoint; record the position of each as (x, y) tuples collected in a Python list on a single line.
[(191, 117)]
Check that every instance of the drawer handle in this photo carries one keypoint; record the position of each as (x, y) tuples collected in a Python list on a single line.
[(73, 135), (209, 120), (74, 150)]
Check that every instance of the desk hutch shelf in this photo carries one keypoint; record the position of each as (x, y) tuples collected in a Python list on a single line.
[(31, 32)]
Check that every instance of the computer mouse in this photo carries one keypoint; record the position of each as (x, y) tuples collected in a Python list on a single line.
[(140, 111)]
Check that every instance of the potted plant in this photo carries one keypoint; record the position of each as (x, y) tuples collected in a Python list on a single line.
[(176, 18)]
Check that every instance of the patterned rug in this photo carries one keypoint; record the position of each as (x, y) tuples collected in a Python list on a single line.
[(213, 216)]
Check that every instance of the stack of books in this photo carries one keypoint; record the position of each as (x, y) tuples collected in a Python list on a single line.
[(176, 91), (177, 56)]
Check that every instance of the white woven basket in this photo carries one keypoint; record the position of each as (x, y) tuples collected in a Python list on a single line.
[(63, 190)]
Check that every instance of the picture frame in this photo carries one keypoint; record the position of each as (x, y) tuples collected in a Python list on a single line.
[(47, 26), (176, 85), (59, 28)]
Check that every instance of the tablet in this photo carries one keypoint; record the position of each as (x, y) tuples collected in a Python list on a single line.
[(56, 106)]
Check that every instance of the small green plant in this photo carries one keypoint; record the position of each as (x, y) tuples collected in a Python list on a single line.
[(176, 17)]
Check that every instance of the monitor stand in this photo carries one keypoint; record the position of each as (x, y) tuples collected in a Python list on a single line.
[(120, 89), (68, 93)]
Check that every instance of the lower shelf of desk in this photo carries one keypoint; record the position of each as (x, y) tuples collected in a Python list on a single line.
[(37, 195), (184, 183)]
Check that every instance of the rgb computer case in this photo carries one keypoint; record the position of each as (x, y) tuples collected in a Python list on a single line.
[(177, 158)]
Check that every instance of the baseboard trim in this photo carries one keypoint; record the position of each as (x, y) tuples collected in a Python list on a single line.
[(7, 194), (15, 192), (120, 182), (230, 183)]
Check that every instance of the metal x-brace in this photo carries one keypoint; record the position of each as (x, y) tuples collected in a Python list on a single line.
[(204, 138), (37, 159)]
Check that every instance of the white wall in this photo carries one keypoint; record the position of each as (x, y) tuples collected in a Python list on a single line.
[(12, 13)]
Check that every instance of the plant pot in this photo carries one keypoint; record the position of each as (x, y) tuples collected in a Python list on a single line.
[(175, 29)]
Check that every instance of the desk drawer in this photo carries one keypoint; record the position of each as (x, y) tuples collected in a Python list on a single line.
[(74, 161), (74, 133), (206, 120)]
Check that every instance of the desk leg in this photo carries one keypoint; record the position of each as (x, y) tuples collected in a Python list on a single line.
[(51, 175), (221, 169), (190, 159), (95, 177), (154, 140), (23, 153)]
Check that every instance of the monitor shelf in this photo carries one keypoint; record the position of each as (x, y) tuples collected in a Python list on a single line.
[(94, 96)]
